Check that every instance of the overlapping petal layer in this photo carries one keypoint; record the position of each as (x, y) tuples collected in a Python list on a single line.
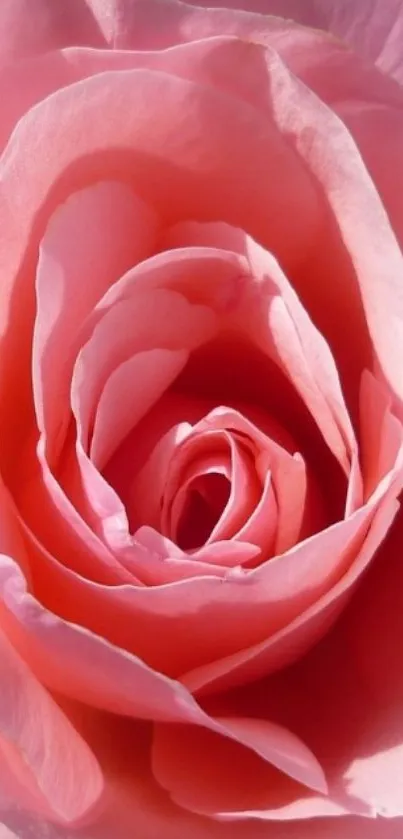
[(199, 468)]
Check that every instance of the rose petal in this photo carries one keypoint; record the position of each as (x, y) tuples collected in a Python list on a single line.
[(211, 190), (261, 527), (300, 634), (221, 618), (288, 471), (37, 740), (97, 234), (369, 122), (373, 638), (167, 560), (163, 562), (291, 336), (149, 320), (146, 492), (354, 724), (129, 393), (174, 748), (203, 451), (374, 30), (72, 660), (381, 433), (29, 28), (58, 524)]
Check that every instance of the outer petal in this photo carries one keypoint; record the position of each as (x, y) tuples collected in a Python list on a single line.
[(374, 28), (140, 807), (299, 635), (34, 26), (353, 723), (198, 621), (69, 658), (53, 765), (374, 636), (176, 748)]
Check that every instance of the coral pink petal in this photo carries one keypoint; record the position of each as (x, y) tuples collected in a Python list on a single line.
[(165, 562), (372, 641), (145, 809), (255, 793), (31, 28), (71, 660), (357, 290), (374, 632), (281, 327), (261, 527), (381, 433), (230, 554), (363, 752), (148, 320), (143, 805), (195, 234), (301, 633), (174, 748), (94, 499), (245, 613), (34, 128), (215, 23), (288, 472), (373, 31), (155, 570), (59, 526), (320, 61), (57, 124), (201, 466), (43, 749), (5, 833), (277, 746), (129, 393), (203, 275), (214, 452), (244, 495), (97, 234), (369, 122), (148, 487), (377, 261)]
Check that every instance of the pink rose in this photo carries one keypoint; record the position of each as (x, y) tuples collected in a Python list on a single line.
[(201, 396)]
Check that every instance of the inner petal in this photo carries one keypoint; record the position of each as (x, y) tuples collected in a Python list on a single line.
[(205, 502), (205, 455)]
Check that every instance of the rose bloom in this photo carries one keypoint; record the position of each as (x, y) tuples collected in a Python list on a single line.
[(201, 390)]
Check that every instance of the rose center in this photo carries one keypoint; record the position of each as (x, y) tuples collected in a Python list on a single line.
[(205, 501)]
